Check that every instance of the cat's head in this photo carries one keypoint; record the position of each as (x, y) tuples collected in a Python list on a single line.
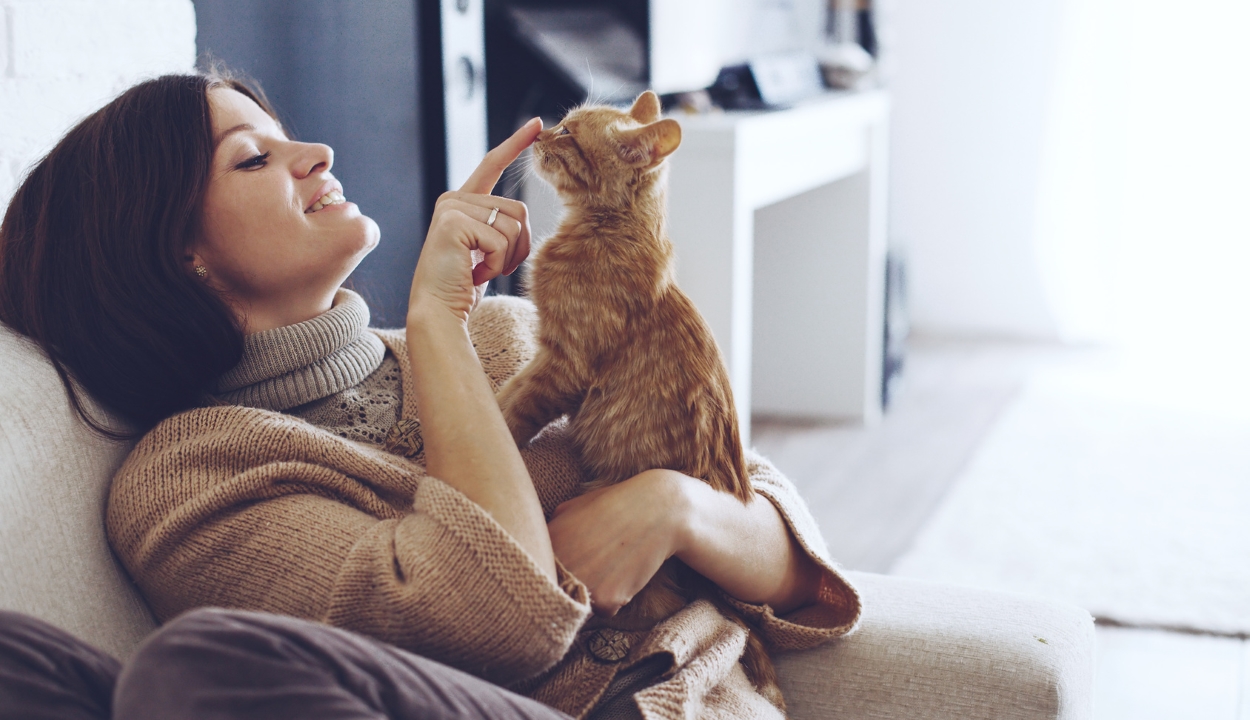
[(603, 155)]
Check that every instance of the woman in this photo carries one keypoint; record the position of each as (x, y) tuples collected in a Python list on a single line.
[(182, 258)]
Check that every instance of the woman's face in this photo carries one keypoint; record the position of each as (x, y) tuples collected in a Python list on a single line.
[(261, 241)]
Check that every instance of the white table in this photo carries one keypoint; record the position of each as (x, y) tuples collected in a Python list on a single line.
[(779, 220)]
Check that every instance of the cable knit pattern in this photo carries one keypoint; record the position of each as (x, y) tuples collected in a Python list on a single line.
[(243, 507), (295, 364)]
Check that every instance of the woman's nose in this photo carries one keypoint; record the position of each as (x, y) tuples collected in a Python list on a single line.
[(315, 158)]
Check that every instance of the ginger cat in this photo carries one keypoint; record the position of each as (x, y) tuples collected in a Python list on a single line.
[(622, 351)]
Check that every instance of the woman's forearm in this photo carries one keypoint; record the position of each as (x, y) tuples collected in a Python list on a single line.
[(746, 549), (467, 443)]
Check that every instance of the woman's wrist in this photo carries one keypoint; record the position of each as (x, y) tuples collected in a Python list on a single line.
[(745, 548), (431, 315), (681, 504)]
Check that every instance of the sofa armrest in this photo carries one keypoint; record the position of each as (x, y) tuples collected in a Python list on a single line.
[(925, 650)]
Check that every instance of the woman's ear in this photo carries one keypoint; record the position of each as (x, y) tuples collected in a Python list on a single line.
[(191, 261), (646, 108), (648, 145)]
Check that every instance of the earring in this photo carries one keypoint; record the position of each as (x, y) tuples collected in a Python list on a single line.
[(201, 271)]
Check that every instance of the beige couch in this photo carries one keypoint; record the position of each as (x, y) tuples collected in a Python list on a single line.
[(922, 651)]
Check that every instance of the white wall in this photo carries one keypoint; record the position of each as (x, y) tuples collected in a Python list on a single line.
[(971, 83), (692, 39), (62, 59)]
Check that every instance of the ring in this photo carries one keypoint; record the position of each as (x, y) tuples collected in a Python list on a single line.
[(490, 221)]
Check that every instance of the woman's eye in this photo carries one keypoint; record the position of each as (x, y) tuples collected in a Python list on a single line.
[(253, 162)]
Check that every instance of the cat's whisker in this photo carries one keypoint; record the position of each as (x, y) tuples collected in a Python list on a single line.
[(590, 92), (512, 186), (617, 91)]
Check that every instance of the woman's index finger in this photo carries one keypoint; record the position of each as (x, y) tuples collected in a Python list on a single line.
[(483, 179)]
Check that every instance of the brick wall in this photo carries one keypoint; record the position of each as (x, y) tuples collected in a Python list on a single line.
[(62, 59)]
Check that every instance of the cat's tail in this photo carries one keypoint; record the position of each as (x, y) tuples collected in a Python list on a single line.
[(761, 672), (729, 472), (756, 661)]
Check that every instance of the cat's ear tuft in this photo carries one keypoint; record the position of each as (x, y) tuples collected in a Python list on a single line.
[(646, 108), (649, 144)]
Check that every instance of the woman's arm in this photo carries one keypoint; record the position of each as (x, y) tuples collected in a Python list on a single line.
[(746, 549), (467, 443), (614, 539)]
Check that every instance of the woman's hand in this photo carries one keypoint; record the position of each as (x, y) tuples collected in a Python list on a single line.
[(461, 251), (614, 539)]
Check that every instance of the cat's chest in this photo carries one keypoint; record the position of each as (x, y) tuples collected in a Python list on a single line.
[(583, 313)]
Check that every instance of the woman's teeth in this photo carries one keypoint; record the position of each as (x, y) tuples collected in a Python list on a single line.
[(334, 197)]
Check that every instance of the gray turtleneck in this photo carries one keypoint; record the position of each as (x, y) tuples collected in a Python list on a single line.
[(330, 371)]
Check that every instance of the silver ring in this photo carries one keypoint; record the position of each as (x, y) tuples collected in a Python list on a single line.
[(494, 213)]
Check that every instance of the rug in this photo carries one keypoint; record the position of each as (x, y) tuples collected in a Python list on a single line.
[(1138, 511)]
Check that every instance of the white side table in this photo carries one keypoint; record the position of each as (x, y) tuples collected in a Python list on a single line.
[(779, 220)]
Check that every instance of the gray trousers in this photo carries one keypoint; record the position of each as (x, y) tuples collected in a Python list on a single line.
[(235, 665)]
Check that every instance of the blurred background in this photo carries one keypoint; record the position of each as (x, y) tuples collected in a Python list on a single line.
[(1007, 243)]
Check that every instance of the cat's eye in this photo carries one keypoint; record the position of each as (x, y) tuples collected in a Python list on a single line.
[(562, 130)]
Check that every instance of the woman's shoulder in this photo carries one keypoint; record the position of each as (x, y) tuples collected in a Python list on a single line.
[(232, 455), (216, 421), (205, 446), (182, 457)]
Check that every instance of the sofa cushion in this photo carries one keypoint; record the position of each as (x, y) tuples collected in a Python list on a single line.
[(55, 562), (926, 651)]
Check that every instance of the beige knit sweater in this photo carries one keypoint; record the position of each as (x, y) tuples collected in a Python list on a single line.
[(244, 507)]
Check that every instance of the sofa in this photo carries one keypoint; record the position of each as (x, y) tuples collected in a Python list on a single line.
[(922, 650)]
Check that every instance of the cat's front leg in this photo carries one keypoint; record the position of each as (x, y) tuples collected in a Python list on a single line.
[(534, 397)]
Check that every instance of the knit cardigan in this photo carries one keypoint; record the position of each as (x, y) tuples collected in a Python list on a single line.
[(241, 507)]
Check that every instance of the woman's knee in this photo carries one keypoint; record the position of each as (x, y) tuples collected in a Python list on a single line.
[(215, 662), (214, 642)]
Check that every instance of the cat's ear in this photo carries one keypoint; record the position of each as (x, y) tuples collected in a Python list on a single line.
[(646, 108), (649, 144)]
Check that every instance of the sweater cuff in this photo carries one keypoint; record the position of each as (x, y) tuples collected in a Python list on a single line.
[(836, 611)]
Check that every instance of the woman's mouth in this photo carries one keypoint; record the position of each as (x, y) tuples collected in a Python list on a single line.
[(334, 197)]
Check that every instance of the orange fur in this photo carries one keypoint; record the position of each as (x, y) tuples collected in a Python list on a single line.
[(622, 350)]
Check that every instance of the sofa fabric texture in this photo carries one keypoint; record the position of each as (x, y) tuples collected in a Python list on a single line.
[(55, 561), (928, 651)]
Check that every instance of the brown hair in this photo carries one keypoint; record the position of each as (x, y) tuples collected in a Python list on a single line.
[(92, 254)]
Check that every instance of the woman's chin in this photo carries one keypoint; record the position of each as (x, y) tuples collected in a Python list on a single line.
[(366, 236), (373, 234)]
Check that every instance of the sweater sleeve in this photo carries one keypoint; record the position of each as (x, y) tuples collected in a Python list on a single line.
[(244, 508), (837, 609), (450, 583)]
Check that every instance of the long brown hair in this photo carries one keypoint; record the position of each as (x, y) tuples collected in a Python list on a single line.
[(92, 254)]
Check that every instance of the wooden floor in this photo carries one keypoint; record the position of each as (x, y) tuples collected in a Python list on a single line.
[(872, 489), (1156, 675)]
